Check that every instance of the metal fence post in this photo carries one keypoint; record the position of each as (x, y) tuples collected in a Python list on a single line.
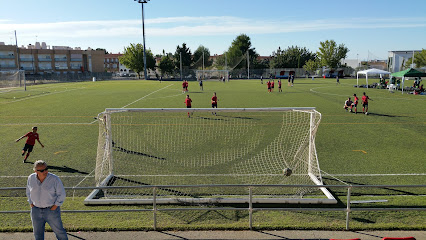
[(154, 205), (348, 207), (250, 208)]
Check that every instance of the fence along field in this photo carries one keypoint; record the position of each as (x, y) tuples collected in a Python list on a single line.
[(391, 136)]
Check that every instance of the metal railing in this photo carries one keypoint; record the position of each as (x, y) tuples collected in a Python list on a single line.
[(250, 196)]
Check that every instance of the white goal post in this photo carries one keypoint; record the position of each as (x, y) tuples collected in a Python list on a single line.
[(203, 146)]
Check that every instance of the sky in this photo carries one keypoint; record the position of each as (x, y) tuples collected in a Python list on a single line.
[(369, 29)]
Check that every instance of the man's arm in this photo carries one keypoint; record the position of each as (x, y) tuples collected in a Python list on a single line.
[(60, 194), (17, 140), (28, 193), (40, 143)]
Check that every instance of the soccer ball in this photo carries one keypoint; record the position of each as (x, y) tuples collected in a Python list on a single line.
[(287, 171)]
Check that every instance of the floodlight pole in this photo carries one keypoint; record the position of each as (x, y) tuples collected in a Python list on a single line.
[(143, 34)]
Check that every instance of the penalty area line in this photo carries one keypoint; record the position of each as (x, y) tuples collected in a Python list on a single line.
[(147, 95)]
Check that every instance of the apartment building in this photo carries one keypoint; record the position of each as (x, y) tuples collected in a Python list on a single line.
[(41, 59), (112, 63)]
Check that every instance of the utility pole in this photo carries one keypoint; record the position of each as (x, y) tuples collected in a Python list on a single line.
[(248, 65), (19, 65), (180, 57), (143, 34)]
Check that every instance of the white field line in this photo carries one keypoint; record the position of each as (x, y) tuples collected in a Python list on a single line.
[(140, 99), (62, 176), (195, 175), (26, 124), (23, 99), (146, 96)]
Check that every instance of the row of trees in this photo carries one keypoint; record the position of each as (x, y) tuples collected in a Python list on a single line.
[(329, 55)]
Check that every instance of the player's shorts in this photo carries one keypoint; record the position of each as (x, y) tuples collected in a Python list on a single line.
[(355, 104), (292, 80), (28, 147), (188, 106), (269, 87), (289, 80), (365, 104), (214, 105), (272, 87)]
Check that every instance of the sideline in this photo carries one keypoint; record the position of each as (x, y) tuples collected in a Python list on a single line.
[(230, 234), (42, 95)]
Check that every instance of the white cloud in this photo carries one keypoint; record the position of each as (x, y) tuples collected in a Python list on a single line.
[(82, 32)]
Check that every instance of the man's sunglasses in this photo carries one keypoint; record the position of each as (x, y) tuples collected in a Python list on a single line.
[(42, 170)]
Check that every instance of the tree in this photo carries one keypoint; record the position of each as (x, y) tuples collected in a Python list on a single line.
[(166, 65), (419, 60), (102, 49), (133, 58), (292, 57), (311, 66), (186, 56), (330, 54), (198, 57), (236, 55)]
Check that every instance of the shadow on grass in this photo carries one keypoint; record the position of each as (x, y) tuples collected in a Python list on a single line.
[(383, 115), (63, 169), (363, 220), (361, 184)]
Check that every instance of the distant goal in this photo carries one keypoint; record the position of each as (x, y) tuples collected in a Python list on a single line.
[(12, 78), (238, 146), (217, 75)]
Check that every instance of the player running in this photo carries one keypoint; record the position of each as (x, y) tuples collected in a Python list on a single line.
[(214, 102), (188, 102), (29, 144), (279, 86), (365, 99)]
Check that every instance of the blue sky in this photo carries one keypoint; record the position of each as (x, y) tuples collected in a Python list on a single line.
[(368, 28)]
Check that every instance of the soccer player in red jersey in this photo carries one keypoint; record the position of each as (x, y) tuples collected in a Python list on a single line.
[(214, 102), (355, 103), (272, 86), (269, 86), (188, 102), (186, 86), (365, 99), (183, 86), (29, 144), (279, 86)]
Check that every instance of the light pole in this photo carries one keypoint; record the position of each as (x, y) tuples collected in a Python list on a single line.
[(143, 33)]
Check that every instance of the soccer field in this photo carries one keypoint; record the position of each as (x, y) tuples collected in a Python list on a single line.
[(384, 147)]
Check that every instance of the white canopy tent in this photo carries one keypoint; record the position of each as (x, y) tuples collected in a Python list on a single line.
[(371, 72)]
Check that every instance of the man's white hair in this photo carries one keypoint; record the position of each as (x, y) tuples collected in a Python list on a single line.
[(39, 163)]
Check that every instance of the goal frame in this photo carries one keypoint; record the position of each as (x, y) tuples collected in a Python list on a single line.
[(202, 73), (317, 180)]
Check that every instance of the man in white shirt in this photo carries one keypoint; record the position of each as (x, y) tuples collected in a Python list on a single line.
[(46, 194)]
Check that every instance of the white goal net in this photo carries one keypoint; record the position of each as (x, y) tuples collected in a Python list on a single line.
[(12, 78), (189, 147), (217, 75)]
